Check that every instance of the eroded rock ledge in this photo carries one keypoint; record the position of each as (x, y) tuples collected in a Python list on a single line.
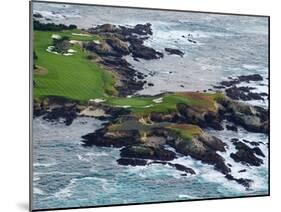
[(147, 137), (119, 41)]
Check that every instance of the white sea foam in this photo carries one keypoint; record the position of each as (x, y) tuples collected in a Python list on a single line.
[(66, 191), (44, 164), (58, 173), (37, 191), (186, 196), (254, 173), (250, 66)]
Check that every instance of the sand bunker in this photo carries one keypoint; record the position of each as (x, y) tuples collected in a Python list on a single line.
[(81, 34)]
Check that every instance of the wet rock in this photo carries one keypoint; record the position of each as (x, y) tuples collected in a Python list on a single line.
[(246, 88), (254, 96), (177, 166), (252, 77), (111, 139), (212, 142), (147, 152), (131, 161), (37, 15), (184, 168), (244, 182), (118, 45), (139, 29), (252, 118), (218, 87), (234, 140), (174, 51), (242, 93), (230, 83), (258, 151), (102, 48), (253, 143), (231, 127), (200, 151), (104, 28), (68, 114), (144, 52), (246, 155)]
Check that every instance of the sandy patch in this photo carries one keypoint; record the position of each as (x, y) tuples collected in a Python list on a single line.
[(96, 42), (71, 51), (39, 70), (80, 43), (159, 100), (91, 112), (147, 106), (125, 106), (96, 100), (82, 34), (67, 54), (55, 36)]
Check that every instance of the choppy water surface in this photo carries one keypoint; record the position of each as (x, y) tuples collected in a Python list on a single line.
[(66, 174)]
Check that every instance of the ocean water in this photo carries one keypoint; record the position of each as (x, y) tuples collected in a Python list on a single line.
[(66, 174)]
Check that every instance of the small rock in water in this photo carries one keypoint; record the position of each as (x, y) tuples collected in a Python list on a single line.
[(231, 127)]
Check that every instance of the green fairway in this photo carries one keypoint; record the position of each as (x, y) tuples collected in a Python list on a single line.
[(141, 106), (74, 76)]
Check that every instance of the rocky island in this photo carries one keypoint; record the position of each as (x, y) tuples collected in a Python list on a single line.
[(91, 73)]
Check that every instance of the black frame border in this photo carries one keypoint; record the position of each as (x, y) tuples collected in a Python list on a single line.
[(31, 105)]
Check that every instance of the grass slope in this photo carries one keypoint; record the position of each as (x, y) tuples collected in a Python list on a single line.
[(72, 77), (141, 106)]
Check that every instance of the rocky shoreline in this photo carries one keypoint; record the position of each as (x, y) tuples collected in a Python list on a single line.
[(245, 93), (119, 41), (144, 140), (148, 139)]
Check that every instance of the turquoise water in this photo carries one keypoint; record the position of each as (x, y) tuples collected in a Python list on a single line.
[(66, 174)]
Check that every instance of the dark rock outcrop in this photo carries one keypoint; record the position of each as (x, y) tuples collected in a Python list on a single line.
[(109, 139), (242, 93), (66, 113), (245, 182), (118, 45), (147, 152), (252, 77), (252, 118), (144, 52), (232, 128), (143, 162), (174, 51), (246, 155)]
